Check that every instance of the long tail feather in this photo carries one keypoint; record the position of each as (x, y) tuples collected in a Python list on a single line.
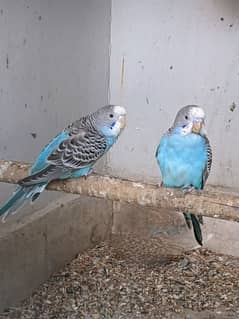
[(41, 177), (18, 198), (197, 229), (195, 221)]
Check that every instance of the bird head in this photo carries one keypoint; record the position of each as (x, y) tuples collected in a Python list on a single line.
[(110, 120), (190, 119)]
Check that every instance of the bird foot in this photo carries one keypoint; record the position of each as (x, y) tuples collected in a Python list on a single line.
[(4, 217), (188, 190), (160, 184), (91, 171)]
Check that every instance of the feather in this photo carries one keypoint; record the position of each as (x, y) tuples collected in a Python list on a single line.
[(18, 199)]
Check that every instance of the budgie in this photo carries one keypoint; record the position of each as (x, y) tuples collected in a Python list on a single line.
[(184, 156), (70, 154)]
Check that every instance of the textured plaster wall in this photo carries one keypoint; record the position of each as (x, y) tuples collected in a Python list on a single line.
[(175, 53)]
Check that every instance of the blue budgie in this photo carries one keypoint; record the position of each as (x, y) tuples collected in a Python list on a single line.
[(184, 156), (70, 154)]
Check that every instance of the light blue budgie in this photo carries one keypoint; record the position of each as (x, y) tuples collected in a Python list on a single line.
[(184, 156), (70, 154)]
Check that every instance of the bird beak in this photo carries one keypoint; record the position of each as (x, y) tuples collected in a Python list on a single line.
[(122, 121), (197, 125)]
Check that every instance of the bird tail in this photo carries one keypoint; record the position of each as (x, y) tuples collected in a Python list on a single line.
[(22, 194), (195, 220)]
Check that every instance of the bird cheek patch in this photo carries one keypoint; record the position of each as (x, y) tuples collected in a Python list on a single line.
[(187, 129), (112, 125), (115, 131)]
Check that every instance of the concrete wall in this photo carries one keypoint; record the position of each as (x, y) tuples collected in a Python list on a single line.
[(54, 66), (44, 242), (176, 53)]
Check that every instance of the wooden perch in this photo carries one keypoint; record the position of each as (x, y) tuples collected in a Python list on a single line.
[(212, 202)]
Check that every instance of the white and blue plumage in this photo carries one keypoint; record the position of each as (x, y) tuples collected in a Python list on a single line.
[(70, 154), (184, 156)]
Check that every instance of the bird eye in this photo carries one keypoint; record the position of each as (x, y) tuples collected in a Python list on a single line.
[(111, 115), (186, 117)]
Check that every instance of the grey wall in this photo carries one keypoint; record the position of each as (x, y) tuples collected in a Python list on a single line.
[(54, 67), (176, 53), (54, 64)]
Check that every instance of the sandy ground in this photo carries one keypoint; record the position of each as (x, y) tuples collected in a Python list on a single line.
[(131, 277)]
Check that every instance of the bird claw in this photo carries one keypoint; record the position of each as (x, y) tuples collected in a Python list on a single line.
[(4, 217), (188, 190), (160, 184), (91, 171)]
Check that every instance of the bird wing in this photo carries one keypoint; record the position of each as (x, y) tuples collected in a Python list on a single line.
[(41, 161), (208, 164), (78, 151), (75, 152)]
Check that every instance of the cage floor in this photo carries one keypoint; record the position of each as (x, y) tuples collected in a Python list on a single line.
[(130, 277)]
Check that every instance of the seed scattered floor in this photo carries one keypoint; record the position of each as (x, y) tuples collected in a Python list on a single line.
[(130, 277)]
